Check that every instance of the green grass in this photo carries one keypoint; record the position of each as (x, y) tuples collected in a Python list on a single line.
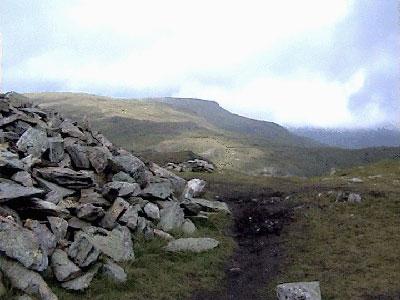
[(157, 274), (351, 248)]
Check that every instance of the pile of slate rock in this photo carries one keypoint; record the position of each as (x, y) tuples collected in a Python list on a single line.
[(72, 203)]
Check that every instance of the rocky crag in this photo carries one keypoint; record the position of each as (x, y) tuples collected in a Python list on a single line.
[(71, 201)]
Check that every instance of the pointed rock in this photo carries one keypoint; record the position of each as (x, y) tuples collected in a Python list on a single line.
[(34, 142), (22, 244), (110, 219), (64, 269), (47, 239), (81, 283)]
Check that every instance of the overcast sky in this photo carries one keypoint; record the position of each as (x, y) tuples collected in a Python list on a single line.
[(315, 63)]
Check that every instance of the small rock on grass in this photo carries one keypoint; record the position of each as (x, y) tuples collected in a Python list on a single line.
[(192, 244)]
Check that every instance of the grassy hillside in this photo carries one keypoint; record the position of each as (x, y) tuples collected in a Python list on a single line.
[(166, 125)]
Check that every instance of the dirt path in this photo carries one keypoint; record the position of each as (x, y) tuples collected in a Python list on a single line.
[(258, 218)]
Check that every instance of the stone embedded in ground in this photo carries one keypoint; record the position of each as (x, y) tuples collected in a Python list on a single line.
[(24, 178), (109, 221), (82, 282), (10, 192), (113, 272), (64, 269), (47, 239), (152, 211), (82, 251), (67, 177), (192, 244), (172, 217), (89, 212), (59, 227), (299, 291), (121, 189), (116, 244), (25, 280), (79, 156), (162, 234), (33, 141), (22, 244), (353, 197), (131, 165), (52, 187), (188, 227), (213, 206), (194, 188)]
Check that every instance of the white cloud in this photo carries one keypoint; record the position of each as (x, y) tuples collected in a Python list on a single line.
[(217, 50)]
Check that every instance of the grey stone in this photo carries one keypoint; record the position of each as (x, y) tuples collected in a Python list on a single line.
[(172, 217), (152, 211), (53, 197), (113, 272), (124, 177), (7, 212), (157, 188), (353, 197), (26, 280), (120, 189), (86, 124), (99, 157), (192, 244), (30, 161), (101, 139), (162, 234), (56, 149), (49, 186), (38, 206), (82, 251), (10, 160), (213, 206), (194, 188), (131, 165), (24, 297), (10, 192), (188, 227), (76, 223), (130, 218), (177, 183), (90, 196), (81, 283), (33, 142), (110, 219), (23, 177), (299, 291), (67, 177), (59, 227), (78, 156), (71, 130), (148, 233), (48, 241), (116, 244), (64, 268), (89, 212), (22, 244), (190, 207)]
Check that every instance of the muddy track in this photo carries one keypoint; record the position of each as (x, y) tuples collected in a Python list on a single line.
[(258, 218)]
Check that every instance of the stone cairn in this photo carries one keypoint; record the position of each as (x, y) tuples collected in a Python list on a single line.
[(71, 202)]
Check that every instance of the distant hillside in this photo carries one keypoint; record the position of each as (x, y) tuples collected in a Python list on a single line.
[(352, 139), (160, 128)]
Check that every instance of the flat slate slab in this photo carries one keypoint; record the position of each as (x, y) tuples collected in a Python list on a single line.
[(15, 191), (192, 244)]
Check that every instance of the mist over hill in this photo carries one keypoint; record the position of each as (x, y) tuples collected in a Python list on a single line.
[(352, 138)]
